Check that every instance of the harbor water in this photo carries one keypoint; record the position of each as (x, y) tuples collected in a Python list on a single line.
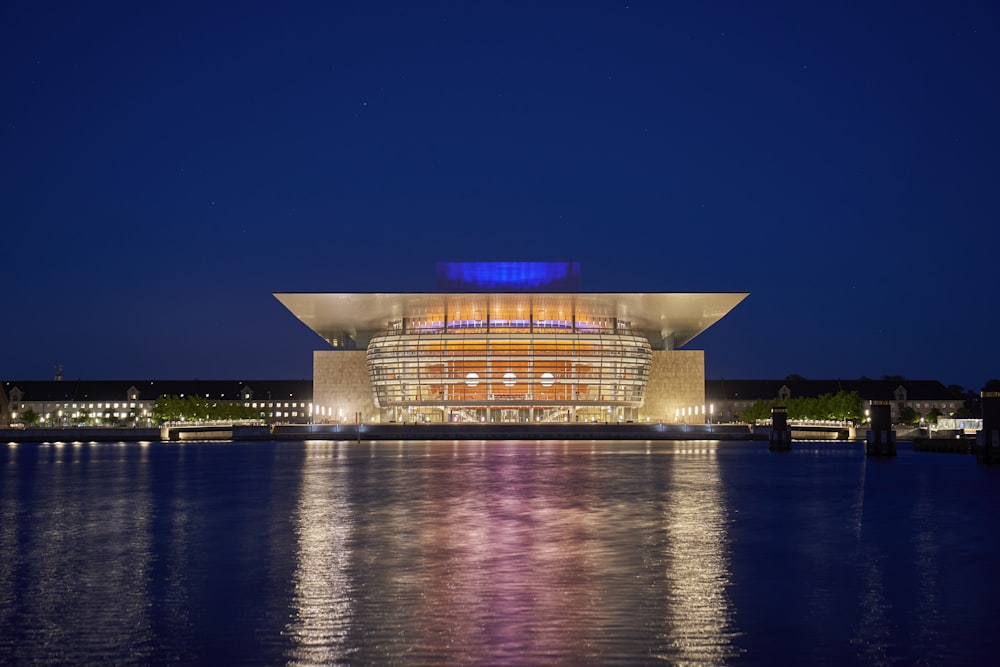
[(493, 553)]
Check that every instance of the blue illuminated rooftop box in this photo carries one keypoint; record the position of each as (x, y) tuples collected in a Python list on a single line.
[(508, 276)]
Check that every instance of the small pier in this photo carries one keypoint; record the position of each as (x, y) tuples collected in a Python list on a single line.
[(195, 432)]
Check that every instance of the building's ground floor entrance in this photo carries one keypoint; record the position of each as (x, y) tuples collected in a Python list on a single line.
[(510, 414)]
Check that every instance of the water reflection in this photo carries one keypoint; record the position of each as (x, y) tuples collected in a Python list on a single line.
[(502, 553), (486, 559), (11, 520), (873, 629), (80, 550), (698, 628), (881, 623), (173, 538), (512, 553), (321, 604)]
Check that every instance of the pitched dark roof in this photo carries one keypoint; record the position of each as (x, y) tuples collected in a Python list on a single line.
[(117, 390), (869, 390)]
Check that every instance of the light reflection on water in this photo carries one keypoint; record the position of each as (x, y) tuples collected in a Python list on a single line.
[(493, 553), (695, 514), (511, 552), (322, 593)]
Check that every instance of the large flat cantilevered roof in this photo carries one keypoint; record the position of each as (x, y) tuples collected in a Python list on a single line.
[(683, 315)]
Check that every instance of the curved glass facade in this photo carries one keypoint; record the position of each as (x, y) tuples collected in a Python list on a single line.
[(509, 369)]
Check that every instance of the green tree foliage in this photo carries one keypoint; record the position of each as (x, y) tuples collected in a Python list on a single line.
[(908, 415), (968, 409), (29, 416), (842, 406), (195, 408)]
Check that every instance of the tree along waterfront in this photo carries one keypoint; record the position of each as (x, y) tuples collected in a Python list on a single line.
[(842, 406), (194, 408)]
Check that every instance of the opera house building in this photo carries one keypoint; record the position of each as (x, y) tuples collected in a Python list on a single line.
[(509, 342)]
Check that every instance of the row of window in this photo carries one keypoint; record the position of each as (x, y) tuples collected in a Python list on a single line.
[(130, 415), (132, 406), (83, 406), (445, 395), (500, 324), (293, 404)]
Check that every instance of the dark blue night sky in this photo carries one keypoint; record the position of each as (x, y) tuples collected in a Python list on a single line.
[(166, 168)]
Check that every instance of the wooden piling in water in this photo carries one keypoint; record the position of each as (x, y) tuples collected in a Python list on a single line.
[(988, 438), (780, 436), (880, 439)]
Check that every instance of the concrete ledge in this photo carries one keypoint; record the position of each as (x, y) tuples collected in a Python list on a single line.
[(79, 434), (587, 431)]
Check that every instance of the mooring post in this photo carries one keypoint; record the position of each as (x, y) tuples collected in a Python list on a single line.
[(880, 439), (780, 436), (988, 437)]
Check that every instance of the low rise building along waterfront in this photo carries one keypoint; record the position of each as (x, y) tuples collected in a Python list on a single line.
[(67, 403), (925, 400)]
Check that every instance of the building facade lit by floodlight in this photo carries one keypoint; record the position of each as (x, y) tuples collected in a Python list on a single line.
[(509, 342)]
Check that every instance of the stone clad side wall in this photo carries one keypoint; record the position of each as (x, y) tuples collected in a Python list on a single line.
[(340, 382), (676, 381)]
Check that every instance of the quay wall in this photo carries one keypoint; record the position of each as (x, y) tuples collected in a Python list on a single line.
[(289, 432), (79, 434), (573, 431), (946, 445)]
